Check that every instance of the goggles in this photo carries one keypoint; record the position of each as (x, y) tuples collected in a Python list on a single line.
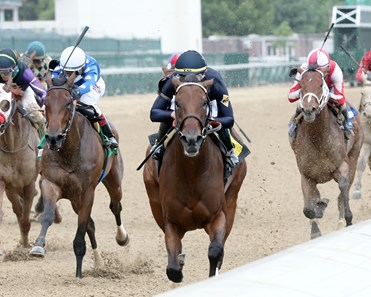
[(7, 71)]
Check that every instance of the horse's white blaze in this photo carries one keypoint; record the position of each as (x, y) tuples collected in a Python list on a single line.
[(121, 233), (98, 260)]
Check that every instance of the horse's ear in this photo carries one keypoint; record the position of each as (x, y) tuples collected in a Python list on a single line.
[(71, 79), (208, 83), (293, 71), (48, 80), (176, 82)]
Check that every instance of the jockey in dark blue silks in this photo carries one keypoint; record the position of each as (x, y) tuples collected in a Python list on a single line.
[(22, 83), (192, 62), (89, 85)]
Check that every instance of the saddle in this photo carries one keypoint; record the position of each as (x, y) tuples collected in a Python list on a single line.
[(241, 149)]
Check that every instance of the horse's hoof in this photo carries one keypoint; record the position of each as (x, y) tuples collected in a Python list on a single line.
[(175, 276), (357, 195), (341, 224), (123, 242), (37, 251)]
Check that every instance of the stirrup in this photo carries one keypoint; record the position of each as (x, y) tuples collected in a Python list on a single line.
[(112, 143), (158, 152)]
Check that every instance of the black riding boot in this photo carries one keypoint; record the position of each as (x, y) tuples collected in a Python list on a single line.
[(293, 125), (231, 160), (112, 142), (162, 130)]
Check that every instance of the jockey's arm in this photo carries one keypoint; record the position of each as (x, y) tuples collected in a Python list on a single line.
[(35, 84), (225, 113), (160, 111), (337, 88), (295, 90)]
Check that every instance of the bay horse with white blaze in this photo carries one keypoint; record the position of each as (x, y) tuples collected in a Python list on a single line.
[(72, 165), (188, 192), (18, 162), (321, 150)]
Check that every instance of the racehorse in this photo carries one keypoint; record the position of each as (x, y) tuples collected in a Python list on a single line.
[(189, 192), (72, 165), (365, 155), (321, 150), (18, 162)]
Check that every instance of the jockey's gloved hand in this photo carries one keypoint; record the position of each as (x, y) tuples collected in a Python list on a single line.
[(75, 94)]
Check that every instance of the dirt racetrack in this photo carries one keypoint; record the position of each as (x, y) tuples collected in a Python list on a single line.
[(269, 215)]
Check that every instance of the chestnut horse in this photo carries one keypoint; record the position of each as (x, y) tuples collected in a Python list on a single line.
[(18, 163), (365, 155), (189, 193), (72, 165), (322, 153)]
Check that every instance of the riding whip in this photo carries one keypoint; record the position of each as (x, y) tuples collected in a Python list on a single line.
[(327, 35), (350, 56), (154, 148), (244, 134)]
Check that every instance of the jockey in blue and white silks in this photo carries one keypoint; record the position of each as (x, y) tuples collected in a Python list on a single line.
[(89, 85)]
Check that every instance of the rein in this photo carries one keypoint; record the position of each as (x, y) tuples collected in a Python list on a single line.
[(72, 112), (325, 96)]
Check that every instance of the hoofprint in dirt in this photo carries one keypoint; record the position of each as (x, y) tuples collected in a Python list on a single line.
[(269, 214)]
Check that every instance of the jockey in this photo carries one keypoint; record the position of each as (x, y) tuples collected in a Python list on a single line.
[(191, 62), (333, 76), (364, 70), (89, 85), (36, 58), (22, 83)]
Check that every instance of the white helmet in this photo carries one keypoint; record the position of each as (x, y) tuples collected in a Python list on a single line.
[(75, 61)]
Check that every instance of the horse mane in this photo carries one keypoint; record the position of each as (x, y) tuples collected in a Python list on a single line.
[(312, 67)]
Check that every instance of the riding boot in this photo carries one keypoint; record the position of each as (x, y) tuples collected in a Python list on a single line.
[(107, 131), (348, 124), (159, 148), (231, 160), (293, 125)]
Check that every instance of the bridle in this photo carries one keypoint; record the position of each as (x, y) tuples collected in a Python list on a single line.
[(206, 128), (72, 106), (323, 99)]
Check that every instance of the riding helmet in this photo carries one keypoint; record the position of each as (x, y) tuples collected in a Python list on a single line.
[(190, 62), (8, 61), (318, 57), (38, 48), (73, 59)]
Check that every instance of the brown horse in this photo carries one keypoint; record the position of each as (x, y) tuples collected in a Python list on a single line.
[(72, 165), (189, 191), (365, 155), (321, 151), (18, 163)]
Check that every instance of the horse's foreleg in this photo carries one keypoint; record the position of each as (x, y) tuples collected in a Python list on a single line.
[(2, 189), (24, 223), (98, 260), (51, 193), (343, 201), (79, 244), (361, 166), (217, 234), (174, 248), (314, 206)]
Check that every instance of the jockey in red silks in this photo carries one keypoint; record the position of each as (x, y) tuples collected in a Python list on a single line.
[(333, 76), (364, 70)]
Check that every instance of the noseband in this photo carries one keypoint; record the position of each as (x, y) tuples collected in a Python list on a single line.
[(72, 112), (322, 101)]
